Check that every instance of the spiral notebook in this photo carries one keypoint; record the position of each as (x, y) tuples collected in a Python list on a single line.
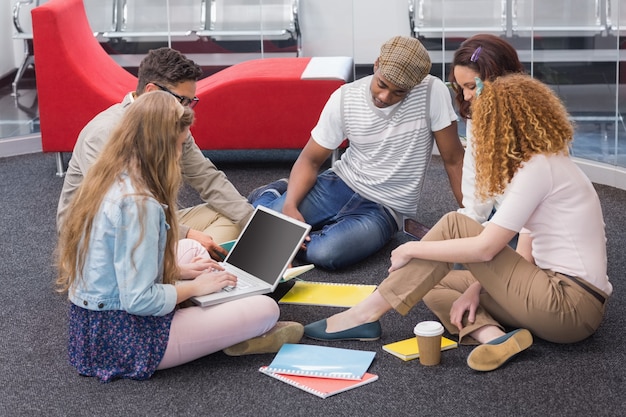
[(322, 387), (327, 294), (321, 361)]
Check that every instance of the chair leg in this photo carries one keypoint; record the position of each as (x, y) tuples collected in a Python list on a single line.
[(28, 60), (60, 165)]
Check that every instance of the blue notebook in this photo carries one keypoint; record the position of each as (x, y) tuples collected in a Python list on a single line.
[(321, 361)]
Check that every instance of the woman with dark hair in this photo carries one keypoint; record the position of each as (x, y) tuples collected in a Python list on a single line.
[(554, 286), (482, 57)]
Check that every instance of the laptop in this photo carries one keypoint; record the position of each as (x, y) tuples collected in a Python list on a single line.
[(260, 256)]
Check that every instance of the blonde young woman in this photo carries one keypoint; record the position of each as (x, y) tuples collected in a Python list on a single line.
[(118, 261), (555, 286)]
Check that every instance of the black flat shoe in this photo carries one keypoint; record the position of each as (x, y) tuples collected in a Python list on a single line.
[(365, 332)]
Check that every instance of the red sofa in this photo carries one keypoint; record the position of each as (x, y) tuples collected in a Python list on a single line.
[(270, 103), (265, 104), (75, 78)]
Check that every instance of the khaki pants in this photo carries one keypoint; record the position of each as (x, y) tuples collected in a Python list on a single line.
[(214, 224), (516, 293)]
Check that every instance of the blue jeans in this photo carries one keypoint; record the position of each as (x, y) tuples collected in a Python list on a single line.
[(346, 228)]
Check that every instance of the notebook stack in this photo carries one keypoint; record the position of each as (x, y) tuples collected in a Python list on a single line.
[(321, 370)]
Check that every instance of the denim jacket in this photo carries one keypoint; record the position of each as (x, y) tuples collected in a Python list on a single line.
[(122, 272)]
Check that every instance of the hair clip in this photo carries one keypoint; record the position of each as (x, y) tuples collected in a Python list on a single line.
[(479, 86), (476, 54)]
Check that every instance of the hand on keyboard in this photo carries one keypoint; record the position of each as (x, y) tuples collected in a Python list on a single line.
[(213, 281), (241, 283)]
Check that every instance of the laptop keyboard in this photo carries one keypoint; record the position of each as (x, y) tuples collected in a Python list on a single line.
[(242, 284)]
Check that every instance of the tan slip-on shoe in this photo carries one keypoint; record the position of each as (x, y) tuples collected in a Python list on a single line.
[(492, 355), (270, 342)]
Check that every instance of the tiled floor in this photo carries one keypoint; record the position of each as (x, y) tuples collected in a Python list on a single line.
[(596, 140), (18, 117)]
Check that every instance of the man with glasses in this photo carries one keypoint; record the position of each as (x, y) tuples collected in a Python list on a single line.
[(225, 211), (185, 101)]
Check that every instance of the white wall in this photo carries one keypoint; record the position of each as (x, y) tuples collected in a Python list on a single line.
[(329, 28), (376, 21), (326, 27), (8, 59), (354, 28)]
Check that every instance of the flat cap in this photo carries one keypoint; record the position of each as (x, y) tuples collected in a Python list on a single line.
[(404, 62)]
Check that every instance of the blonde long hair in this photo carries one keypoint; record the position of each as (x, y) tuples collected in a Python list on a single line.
[(144, 146), (514, 118)]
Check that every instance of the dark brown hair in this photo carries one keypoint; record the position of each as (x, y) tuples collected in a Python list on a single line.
[(496, 57), (168, 67)]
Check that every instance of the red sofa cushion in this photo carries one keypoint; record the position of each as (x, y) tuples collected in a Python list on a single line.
[(260, 104)]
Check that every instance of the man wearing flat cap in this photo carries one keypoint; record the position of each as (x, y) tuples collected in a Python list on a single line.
[(390, 119)]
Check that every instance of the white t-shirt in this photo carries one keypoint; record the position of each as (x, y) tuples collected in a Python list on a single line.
[(554, 200), (473, 207), (389, 148), (329, 131)]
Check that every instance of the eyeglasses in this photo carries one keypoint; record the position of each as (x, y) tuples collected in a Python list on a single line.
[(185, 101)]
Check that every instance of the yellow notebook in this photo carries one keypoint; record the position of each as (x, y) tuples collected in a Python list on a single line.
[(407, 349), (327, 294)]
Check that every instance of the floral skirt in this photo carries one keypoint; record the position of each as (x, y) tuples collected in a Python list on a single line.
[(115, 344)]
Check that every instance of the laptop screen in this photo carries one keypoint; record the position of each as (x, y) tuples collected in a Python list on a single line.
[(267, 245)]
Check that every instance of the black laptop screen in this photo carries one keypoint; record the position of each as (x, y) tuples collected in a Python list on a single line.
[(267, 245)]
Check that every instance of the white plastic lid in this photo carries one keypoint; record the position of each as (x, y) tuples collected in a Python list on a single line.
[(428, 328)]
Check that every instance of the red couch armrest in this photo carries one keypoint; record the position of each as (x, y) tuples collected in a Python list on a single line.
[(76, 79)]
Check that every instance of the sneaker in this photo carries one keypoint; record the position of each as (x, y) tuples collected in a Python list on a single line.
[(492, 355), (277, 188), (270, 342)]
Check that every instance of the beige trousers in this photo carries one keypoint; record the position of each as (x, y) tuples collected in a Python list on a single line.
[(209, 221), (199, 331), (515, 294)]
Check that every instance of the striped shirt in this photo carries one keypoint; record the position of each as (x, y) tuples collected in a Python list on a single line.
[(390, 149)]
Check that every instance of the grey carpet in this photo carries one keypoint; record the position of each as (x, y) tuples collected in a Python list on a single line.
[(582, 379)]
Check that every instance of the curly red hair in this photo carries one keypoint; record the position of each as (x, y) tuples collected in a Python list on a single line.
[(515, 118)]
